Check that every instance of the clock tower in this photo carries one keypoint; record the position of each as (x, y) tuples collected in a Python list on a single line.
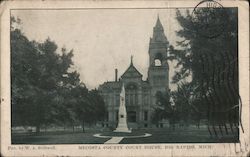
[(158, 72)]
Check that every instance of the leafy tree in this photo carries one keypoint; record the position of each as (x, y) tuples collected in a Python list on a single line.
[(66, 100), (23, 92), (36, 71), (183, 99), (188, 104), (164, 109), (211, 62), (44, 90), (98, 104)]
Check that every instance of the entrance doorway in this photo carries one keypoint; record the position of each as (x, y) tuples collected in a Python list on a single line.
[(132, 116), (132, 120)]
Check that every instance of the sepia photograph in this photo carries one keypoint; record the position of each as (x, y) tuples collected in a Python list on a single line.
[(125, 76)]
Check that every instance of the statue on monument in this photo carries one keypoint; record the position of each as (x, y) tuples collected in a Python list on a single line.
[(122, 114)]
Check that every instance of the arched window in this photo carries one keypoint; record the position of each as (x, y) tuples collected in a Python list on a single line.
[(131, 94), (158, 96), (158, 59)]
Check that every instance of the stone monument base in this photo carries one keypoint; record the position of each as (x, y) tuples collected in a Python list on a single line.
[(122, 130)]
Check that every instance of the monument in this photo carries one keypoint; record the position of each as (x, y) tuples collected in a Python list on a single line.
[(122, 114)]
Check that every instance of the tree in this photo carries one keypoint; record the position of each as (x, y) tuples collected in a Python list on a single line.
[(98, 105), (37, 74), (183, 99), (188, 104), (89, 106), (23, 92), (164, 109), (66, 99), (212, 62), (45, 90)]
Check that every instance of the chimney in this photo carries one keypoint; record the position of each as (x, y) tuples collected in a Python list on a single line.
[(116, 73)]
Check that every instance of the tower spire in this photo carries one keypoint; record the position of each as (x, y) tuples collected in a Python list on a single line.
[(158, 34), (158, 22), (131, 60)]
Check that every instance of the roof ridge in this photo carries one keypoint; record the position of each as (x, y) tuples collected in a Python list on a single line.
[(131, 66)]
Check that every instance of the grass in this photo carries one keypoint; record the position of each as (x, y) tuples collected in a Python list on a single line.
[(181, 136), (58, 138), (166, 135)]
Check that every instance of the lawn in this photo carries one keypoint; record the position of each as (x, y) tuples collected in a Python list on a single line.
[(58, 138), (180, 135)]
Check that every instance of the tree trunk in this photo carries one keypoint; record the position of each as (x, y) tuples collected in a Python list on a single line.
[(83, 130), (73, 128), (173, 124), (38, 129)]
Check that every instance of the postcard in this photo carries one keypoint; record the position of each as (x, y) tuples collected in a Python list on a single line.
[(125, 78)]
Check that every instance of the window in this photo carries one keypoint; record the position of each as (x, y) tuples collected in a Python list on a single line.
[(146, 98), (117, 97), (145, 115), (117, 114), (107, 116), (158, 59), (131, 116), (131, 94), (157, 62)]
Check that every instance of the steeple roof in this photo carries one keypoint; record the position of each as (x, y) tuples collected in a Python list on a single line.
[(158, 23), (158, 34)]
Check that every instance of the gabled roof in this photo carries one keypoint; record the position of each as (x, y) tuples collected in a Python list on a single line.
[(108, 86), (131, 71)]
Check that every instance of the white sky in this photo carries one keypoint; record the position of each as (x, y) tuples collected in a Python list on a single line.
[(102, 39)]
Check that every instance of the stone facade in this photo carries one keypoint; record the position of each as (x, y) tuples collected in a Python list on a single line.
[(140, 94)]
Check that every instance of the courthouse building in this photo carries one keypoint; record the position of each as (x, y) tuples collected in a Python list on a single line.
[(140, 94)]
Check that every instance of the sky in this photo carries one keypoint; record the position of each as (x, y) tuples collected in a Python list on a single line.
[(102, 39)]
